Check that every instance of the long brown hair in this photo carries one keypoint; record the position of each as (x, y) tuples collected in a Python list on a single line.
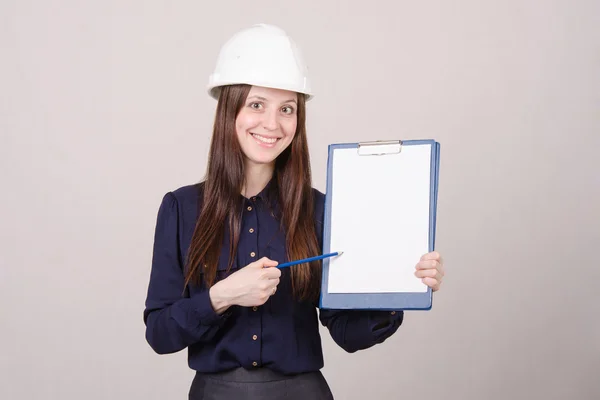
[(222, 199)]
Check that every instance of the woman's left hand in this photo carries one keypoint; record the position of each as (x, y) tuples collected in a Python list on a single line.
[(431, 270)]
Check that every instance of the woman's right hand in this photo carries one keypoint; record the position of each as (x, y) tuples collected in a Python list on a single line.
[(247, 287)]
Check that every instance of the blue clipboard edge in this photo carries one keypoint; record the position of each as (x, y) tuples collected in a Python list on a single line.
[(378, 301)]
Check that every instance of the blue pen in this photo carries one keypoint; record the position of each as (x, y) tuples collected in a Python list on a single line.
[(289, 264)]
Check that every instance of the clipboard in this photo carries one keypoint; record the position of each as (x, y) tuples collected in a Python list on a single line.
[(380, 210)]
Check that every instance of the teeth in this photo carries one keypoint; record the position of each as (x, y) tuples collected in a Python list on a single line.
[(264, 139)]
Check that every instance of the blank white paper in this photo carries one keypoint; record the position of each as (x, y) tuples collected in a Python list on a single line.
[(379, 219)]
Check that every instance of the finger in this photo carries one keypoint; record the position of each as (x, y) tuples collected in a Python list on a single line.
[(430, 273), (427, 273), (435, 275), (269, 289), (271, 273), (433, 255), (266, 263), (270, 263), (258, 263), (428, 264), (432, 283), (272, 283)]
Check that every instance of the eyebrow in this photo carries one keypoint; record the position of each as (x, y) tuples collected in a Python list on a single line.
[(264, 99)]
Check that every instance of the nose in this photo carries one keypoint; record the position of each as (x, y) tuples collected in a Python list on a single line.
[(270, 120)]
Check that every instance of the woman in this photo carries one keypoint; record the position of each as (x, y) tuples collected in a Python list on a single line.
[(252, 330)]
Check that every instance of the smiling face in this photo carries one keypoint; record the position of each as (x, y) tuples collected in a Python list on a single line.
[(266, 124)]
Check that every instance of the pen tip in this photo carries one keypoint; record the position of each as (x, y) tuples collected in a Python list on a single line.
[(340, 253)]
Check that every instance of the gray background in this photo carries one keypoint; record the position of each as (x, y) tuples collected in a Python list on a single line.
[(103, 109)]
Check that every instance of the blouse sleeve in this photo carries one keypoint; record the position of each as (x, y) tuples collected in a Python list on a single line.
[(174, 321), (355, 330)]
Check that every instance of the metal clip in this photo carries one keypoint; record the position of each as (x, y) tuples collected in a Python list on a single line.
[(379, 147)]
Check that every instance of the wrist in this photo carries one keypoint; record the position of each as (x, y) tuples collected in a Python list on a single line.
[(218, 298)]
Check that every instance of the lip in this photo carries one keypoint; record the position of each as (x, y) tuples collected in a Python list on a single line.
[(263, 144), (265, 136)]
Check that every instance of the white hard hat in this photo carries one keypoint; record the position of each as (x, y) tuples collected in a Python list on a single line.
[(262, 55)]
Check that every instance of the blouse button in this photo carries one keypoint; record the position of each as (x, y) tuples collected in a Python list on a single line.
[(254, 337), (254, 308), (251, 230), (252, 254), (254, 363), (249, 208), (393, 313)]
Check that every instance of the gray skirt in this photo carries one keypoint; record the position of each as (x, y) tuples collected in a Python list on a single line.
[(259, 384)]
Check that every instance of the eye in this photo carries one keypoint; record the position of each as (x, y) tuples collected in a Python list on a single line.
[(287, 110), (255, 105)]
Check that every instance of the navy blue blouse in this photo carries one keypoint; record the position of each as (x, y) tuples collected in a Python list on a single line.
[(282, 334)]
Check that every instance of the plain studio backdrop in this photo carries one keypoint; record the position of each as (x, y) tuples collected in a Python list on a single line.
[(103, 109)]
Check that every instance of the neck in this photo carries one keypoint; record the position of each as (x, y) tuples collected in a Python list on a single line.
[(257, 177)]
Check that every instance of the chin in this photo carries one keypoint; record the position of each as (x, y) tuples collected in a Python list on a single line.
[(261, 160)]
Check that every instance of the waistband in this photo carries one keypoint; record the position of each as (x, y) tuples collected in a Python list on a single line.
[(252, 375)]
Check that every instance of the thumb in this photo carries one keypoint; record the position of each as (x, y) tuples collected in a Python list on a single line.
[(266, 262)]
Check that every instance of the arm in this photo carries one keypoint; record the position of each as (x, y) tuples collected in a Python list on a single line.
[(173, 321), (355, 330)]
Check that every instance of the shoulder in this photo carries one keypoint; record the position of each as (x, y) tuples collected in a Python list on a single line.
[(188, 194), (183, 200)]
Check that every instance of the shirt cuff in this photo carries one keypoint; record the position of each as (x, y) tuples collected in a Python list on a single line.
[(383, 320), (205, 311), (397, 315)]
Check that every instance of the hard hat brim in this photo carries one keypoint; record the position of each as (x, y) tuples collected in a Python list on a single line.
[(215, 90)]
